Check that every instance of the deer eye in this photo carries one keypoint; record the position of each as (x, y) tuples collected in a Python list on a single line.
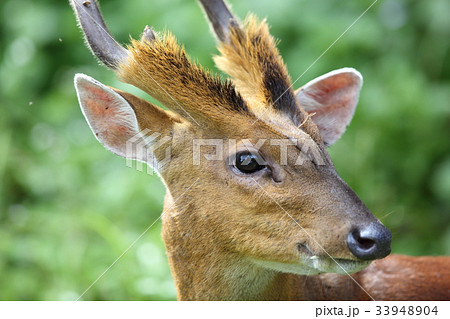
[(248, 163)]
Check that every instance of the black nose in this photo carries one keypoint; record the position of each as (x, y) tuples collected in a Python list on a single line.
[(370, 242)]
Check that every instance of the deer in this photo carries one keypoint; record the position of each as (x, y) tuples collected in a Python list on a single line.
[(266, 217)]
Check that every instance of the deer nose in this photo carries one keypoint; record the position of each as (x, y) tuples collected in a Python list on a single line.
[(370, 242)]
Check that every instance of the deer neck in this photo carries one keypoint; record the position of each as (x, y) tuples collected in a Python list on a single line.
[(203, 270)]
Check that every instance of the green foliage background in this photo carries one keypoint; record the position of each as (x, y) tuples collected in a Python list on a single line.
[(69, 208)]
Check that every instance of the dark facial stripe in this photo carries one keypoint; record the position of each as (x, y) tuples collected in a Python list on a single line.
[(278, 91), (227, 90)]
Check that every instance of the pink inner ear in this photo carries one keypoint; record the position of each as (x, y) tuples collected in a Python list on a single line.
[(333, 98), (337, 92), (109, 115), (104, 115)]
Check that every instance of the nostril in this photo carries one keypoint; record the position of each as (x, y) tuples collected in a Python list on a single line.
[(371, 242), (364, 243)]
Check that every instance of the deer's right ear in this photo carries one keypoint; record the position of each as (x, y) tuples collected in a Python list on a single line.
[(117, 118)]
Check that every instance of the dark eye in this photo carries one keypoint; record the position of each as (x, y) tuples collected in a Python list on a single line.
[(248, 163)]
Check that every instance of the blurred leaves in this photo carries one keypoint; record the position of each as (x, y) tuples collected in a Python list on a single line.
[(69, 208)]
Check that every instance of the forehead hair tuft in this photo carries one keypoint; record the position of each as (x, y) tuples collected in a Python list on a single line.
[(162, 68)]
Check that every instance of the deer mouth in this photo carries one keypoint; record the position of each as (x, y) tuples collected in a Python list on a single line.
[(314, 265), (327, 264), (310, 263)]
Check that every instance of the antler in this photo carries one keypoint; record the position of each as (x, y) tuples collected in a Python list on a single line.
[(250, 57), (98, 38), (220, 17)]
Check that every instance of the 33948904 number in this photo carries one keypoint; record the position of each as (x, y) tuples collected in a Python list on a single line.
[(406, 310)]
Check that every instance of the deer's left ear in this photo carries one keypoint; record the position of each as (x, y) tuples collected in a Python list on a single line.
[(333, 98)]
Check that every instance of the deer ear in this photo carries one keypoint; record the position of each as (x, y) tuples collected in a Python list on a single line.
[(120, 121), (332, 98)]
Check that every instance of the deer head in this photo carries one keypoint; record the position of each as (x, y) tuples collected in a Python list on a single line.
[(251, 186)]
